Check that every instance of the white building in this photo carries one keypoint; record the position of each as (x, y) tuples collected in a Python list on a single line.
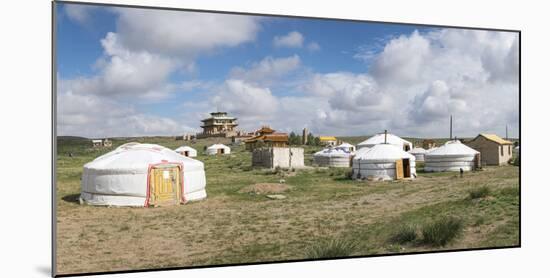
[(272, 157)]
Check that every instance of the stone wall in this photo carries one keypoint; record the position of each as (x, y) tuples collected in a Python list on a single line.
[(278, 157)]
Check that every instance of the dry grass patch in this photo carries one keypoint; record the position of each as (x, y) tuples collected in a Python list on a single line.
[(265, 188)]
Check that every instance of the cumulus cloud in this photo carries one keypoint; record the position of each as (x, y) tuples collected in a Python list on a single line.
[(268, 70), (140, 66), (96, 116), (183, 33), (293, 39), (410, 86), (127, 74), (140, 56), (79, 13), (252, 103), (418, 80), (313, 46)]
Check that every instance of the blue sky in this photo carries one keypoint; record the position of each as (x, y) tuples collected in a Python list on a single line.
[(155, 72)]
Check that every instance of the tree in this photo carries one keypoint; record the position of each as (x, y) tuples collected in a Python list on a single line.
[(312, 140), (294, 139)]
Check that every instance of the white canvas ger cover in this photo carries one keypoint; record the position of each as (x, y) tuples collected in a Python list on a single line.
[(346, 146), (119, 178), (390, 139), (333, 157), (191, 152), (450, 157), (214, 149), (418, 153), (379, 162)]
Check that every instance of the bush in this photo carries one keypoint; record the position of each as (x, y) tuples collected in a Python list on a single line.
[(442, 231), (480, 192), (514, 161), (335, 248), (405, 234), (349, 174)]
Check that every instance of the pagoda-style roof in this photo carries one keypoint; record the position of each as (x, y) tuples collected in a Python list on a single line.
[(219, 116), (265, 130), (273, 137)]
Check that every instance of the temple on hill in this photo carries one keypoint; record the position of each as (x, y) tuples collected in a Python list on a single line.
[(219, 124)]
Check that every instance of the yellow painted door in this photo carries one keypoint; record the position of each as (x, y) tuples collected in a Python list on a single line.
[(165, 185), (399, 169)]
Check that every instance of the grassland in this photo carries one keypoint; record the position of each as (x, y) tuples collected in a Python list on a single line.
[(324, 215)]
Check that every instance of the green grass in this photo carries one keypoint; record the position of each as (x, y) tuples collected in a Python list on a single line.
[(232, 227), (480, 192), (405, 234), (334, 248), (442, 231)]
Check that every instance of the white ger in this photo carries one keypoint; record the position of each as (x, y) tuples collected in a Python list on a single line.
[(418, 153), (218, 149), (142, 175), (186, 151), (382, 138), (452, 156), (333, 157), (383, 162)]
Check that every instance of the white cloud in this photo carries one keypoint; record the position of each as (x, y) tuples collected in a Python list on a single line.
[(186, 34), (79, 13), (250, 102), (418, 80), (140, 56), (268, 70), (313, 46), (95, 116), (123, 73), (402, 59), (293, 39)]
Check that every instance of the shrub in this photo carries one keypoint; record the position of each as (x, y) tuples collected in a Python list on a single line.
[(349, 174), (442, 231), (515, 161), (335, 248), (480, 192), (405, 234)]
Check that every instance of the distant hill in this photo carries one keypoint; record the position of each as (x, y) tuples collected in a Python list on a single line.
[(71, 138)]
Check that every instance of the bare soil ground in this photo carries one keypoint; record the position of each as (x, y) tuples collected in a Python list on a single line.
[(233, 226)]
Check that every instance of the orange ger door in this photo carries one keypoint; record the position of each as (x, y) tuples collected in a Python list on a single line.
[(165, 185)]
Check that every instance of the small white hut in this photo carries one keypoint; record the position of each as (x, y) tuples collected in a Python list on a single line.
[(218, 149), (186, 151), (452, 156)]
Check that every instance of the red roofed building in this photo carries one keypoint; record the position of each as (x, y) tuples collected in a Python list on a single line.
[(267, 137)]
